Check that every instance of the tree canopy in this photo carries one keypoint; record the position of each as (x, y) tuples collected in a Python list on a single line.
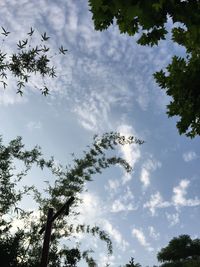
[(22, 247), (181, 77), (181, 251)]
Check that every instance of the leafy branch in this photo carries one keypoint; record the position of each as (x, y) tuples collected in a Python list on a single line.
[(69, 181)]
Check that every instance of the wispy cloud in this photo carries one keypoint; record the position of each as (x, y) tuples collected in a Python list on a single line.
[(96, 92), (148, 166), (139, 235), (93, 112), (156, 201), (179, 198), (71, 24), (34, 125), (131, 153), (116, 235), (93, 210), (177, 201), (118, 206), (153, 233), (125, 202), (189, 156), (173, 218), (113, 186), (9, 96)]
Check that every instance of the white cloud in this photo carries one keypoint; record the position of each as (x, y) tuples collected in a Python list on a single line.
[(138, 233), (115, 235), (128, 195), (113, 185), (149, 166), (156, 201), (145, 177), (9, 96), (142, 97), (22, 223), (152, 233), (125, 202), (180, 192), (104, 259), (126, 177), (34, 125), (118, 206), (178, 199), (93, 110), (88, 116), (189, 156), (173, 218), (57, 17), (131, 153), (96, 92), (93, 210)]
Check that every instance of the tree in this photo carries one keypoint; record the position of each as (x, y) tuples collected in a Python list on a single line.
[(181, 251), (27, 60), (181, 78), (132, 264), (22, 248)]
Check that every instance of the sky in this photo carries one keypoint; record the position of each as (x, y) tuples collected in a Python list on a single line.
[(104, 83)]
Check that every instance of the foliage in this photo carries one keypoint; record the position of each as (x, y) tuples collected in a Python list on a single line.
[(181, 251), (132, 264), (22, 247), (148, 19), (27, 60), (183, 263), (182, 84)]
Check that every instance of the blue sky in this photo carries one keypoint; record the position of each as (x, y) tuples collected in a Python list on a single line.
[(105, 84)]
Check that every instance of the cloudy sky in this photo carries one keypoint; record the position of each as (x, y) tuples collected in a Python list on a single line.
[(105, 84)]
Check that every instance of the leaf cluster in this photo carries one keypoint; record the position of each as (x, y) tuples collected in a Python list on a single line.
[(28, 60), (132, 263)]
